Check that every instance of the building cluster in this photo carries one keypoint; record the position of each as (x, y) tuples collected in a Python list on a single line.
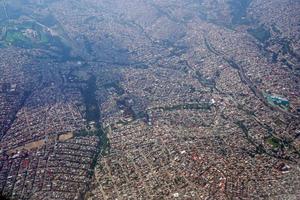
[(171, 161), (178, 149), (193, 107), (42, 153), (56, 169)]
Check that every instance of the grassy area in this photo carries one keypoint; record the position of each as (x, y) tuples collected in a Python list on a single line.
[(18, 35), (28, 35), (277, 101), (274, 142), (205, 81), (44, 38), (14, 36)]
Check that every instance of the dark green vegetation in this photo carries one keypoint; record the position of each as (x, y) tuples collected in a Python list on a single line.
[(22, 28), (261, 33), (103, 145), (188, 106), (30, 34), (210, 47), (93, 115), (277, 145), (208, 82), (91, 103), (275, 29), (274, 142), (25, 35), (287, 49), (100, 133)]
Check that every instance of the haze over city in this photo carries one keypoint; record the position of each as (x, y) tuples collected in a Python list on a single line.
[(149, 99)]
